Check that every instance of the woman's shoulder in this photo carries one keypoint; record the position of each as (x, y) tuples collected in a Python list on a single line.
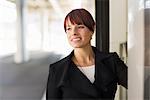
[(105, 55), (60, 63), (111, 57), (108, 55)]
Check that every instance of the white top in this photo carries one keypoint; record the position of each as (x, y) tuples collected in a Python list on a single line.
[(89, 72)]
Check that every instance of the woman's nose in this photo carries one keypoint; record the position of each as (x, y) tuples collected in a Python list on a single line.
[(75, 31)]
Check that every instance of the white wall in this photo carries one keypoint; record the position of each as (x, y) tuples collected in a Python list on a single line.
[(135, 49), (118, 23)]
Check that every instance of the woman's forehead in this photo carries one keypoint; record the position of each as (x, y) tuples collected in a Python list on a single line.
[(70, 22), (75, 20)]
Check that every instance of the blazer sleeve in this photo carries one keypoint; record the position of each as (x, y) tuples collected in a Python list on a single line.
[(52, 91), (121, 71)]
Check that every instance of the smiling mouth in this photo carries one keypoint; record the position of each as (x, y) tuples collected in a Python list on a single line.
[(76, 39)]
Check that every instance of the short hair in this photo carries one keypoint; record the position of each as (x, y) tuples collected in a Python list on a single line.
[(80, 16)]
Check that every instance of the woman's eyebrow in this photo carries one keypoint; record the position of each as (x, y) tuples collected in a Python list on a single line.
[(68, 25)]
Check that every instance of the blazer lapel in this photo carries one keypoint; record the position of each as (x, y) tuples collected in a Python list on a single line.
[(99, 74), (80, 82), (76, 78), (102, 73), (65, 71)]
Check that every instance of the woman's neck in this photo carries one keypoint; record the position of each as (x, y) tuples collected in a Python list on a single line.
[(84, 56)]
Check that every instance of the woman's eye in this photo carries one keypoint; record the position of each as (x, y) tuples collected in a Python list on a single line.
[(68, 28), (81, 26)]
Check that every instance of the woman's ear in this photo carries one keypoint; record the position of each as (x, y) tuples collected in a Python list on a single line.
[(94, 26)]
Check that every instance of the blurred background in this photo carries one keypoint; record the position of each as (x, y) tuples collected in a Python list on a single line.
[(32, 37)]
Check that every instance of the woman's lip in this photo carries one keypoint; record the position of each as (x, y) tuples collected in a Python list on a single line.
[(76, 39)]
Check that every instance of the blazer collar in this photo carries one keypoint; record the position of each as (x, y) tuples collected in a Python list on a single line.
[(77, 79), (80, 82)]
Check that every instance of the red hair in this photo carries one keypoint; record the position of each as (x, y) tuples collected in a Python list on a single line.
[(80, 16)]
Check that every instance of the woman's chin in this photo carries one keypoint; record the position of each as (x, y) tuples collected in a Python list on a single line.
[(76, 46)]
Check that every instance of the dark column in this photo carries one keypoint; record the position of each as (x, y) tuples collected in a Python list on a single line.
[(102, 25)]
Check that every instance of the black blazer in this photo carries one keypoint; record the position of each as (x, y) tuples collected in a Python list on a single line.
[(66, 81)]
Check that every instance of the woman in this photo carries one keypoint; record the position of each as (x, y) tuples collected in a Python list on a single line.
[(86, 73)]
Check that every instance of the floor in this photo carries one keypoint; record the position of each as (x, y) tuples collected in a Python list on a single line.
[(26, 81)]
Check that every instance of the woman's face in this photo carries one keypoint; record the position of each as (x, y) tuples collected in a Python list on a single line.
[(78, 36)]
